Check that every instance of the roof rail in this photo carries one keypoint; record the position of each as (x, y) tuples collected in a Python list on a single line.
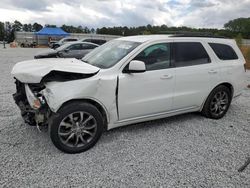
[(203, 35)]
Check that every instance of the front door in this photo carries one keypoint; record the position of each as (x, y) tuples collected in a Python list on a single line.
[(151, 92)]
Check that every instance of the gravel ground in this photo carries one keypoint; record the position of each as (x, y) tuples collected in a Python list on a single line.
[(182, 151)]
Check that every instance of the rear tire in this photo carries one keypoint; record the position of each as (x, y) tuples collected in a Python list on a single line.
[(217, 103), (76, 127)]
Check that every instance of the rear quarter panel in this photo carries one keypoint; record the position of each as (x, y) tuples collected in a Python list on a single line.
[(232, 71)]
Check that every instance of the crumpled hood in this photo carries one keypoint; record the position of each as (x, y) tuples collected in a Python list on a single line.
[(33, 71)]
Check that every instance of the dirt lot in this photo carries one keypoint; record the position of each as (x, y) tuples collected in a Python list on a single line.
[(183, 151)]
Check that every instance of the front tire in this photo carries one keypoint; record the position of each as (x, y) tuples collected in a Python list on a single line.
[(217, 103), (76, 127)]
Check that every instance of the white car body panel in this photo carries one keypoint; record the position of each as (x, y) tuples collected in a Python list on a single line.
[(147, 93), (100, 90), (33, 71), (194, 83), (232, 72), (132, 98)]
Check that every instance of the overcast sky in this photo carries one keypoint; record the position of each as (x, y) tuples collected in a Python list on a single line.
[(99, 13)]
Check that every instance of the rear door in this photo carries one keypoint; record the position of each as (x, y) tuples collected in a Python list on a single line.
[(196, 73), (86, 48), (73, 51)]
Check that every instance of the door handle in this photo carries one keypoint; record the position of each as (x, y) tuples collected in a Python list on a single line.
[(212, 71), (164, 77)]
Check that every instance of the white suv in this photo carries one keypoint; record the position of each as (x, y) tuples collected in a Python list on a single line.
[(125, 81)]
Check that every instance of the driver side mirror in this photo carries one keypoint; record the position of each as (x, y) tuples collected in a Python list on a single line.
[(135, 66), (66, 50)]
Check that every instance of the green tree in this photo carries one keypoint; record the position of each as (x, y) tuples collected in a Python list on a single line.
[(79, 29), (9, 35), (240, 25), (17, 26), (238, 40), (36, 27), (1, 31), (86, 30), (92, 30), (25, 27)]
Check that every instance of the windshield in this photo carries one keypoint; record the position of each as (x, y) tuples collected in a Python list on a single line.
[(110, 53)]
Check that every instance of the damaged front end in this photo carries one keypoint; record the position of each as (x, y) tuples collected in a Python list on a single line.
[(32, 104), (31, 79)]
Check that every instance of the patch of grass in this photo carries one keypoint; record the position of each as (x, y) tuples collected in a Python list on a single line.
[(246, 52)]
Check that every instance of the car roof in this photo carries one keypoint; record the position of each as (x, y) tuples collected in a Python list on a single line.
[(91, 39), (78, 42), (143, 38), (147, 38), (70, 38)]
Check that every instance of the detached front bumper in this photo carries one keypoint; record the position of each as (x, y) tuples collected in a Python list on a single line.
[(34, 109)]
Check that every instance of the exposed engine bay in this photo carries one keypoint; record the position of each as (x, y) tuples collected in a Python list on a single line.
[(39, 113), (34, 108), (32, 103)]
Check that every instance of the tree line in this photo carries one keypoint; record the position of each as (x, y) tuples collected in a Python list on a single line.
[(237, 28)]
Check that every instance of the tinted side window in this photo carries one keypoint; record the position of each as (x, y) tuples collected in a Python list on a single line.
[(223, 51), (75, 47), (100, 42), (155, 57), (189, 54), (72, 39), (90, 46), (96, 41)]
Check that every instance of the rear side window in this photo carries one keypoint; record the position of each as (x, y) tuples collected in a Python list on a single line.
[(96, 41), (189, 54), (88, 46), (72, 40), (75, 47), (223, 51)]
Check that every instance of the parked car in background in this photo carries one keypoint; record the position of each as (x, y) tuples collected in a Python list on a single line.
[(52, 42), (70, 50), (28, 42), (62, 41), (128, 80), (95, 41)]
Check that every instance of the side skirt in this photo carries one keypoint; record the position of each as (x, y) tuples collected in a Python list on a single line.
[(152, 117)]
